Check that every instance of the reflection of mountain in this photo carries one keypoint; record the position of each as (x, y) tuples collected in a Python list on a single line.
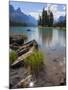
[(17, 17)]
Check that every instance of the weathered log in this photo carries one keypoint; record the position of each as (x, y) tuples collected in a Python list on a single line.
[(23, 51), (22, 57), (24, 82), (27, 45), (17, 65), (18, 47)]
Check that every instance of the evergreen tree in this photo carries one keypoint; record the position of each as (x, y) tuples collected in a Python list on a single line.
[(40, 20), (46, 19), (51, 19), (43, 17)]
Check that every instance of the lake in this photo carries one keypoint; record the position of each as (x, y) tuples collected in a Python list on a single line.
[(47, 38), (52, 43)]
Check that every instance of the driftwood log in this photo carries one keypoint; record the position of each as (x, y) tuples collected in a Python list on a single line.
[(26, 47), (24, 82), (24, 51), (22, 57)]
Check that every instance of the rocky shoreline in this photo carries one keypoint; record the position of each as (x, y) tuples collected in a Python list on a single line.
[(53, 73)]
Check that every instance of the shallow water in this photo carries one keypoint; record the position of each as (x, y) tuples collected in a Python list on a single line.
[(47, 38)]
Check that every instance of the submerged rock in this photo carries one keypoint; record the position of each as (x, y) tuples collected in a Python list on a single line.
[(28, 30)]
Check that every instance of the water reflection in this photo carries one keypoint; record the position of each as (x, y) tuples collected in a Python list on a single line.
[(62, 37), (52, 38), (46, 37)]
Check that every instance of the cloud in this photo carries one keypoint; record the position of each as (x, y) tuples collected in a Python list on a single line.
[(64, 7), (36, 14), (53, 8), (58, 14)]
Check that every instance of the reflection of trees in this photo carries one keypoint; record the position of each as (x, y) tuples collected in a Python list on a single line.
[(62, 36), (46, 35)]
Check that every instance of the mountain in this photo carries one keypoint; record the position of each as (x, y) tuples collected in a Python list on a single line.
[(61, 22), (61, 18), (17, 17), (11, 9)]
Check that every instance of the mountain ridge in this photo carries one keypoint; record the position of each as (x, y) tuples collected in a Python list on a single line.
[(17, 16)]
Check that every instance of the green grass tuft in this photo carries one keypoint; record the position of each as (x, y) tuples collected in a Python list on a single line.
[(35, 61), (12, 56)]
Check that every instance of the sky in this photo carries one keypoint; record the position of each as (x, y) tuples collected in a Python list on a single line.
[(35, 9)]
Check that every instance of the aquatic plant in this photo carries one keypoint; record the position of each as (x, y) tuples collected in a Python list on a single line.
[(35, 61), (12, 56)]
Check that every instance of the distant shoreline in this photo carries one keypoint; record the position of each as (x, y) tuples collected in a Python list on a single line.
[(52, 27), (38, 26)]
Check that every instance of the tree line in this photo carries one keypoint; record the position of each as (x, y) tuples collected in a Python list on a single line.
[(47, 19)]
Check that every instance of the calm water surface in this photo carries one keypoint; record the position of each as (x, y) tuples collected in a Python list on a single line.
[(46, 37)]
